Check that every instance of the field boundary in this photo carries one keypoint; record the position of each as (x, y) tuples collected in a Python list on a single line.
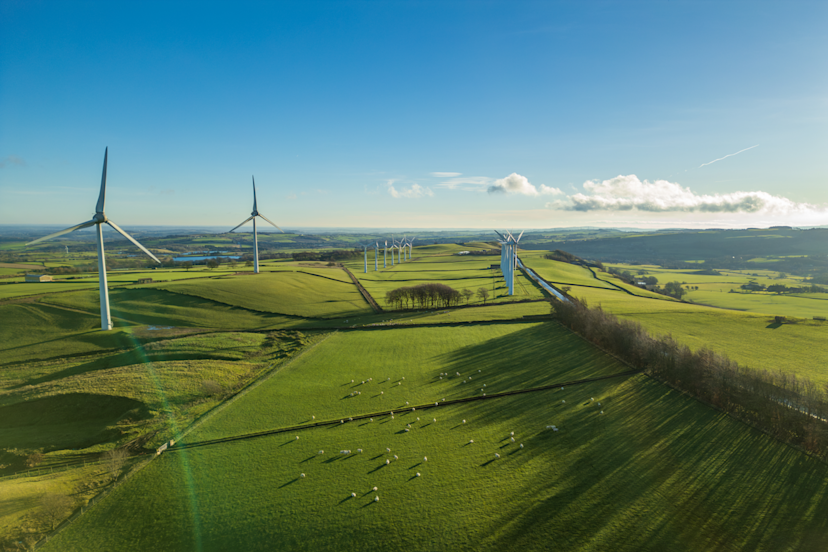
[(364, 292)]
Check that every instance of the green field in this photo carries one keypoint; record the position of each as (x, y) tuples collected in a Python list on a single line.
[(647, 474), (751, 339)]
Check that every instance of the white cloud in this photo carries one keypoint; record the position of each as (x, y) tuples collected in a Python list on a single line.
[(626, 193), (517, 184), (468, 183), (412, 192), (445, 174), (291, 196)]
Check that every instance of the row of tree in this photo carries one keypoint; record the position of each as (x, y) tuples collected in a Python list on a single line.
[(423, 296), (791, 408)]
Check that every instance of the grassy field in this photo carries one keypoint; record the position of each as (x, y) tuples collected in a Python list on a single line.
[(442, 264), (649, 473), (751, 339), (291, 293)]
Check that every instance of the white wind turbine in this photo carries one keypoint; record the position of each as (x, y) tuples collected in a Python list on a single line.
[(376, 256), (365, 247), (98, 220), (252, 217), (385, 255)]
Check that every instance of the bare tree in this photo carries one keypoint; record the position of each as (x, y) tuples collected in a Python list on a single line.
[(115, 460), (483, 293), (55, 507), (468, 294)]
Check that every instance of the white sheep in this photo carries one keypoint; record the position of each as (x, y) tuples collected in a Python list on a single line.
[(563, 401), (396, 457), (418, 419), (301, 475), (434, 420), (512, 433), (602, 412), (350, 419), (408, 425), (497, 455), (403, 377), (407, 430), (375, 489), (554, 429), (321, 452), (353, 495), (484, 385), (561, 388), (441, 377), (352, 381), (591, 399), (478, 370), (382, 392), (399, 383), (458, 373), (471, 441), (387, 462), (297, 437), (469, 377), (313, 417), (341, 421), (406, 402), (370, 419), (513, 439), (464, 421), (464, 381), (425, 458), (418, 474), (599, 404), (521, 445), (359, 451), (376, 499), (387, 449), (484, 394), (413, 408), (392, 417)]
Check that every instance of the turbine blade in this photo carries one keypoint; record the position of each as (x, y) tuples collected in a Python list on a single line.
[(521, 235), (133, 240), (102, 195), (62, 232), (248, 219), (254, 196), (271, 222), (499, 234)]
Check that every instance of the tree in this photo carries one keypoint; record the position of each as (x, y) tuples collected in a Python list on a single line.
[(34, 459), (115, 460), (212, 263), (188, 265), (468, 294), (55, 507), (674, 289), (483, 293)]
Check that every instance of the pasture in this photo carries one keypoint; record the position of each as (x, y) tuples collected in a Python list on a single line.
[(647, 474)]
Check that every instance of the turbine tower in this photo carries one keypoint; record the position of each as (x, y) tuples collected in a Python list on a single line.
[(376, 256), (508, 258), (252, 217), (364, 247), (98, 221), (385, 255)]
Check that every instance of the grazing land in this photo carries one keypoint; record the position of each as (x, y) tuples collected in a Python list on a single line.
[(585, 486), (207, 357)]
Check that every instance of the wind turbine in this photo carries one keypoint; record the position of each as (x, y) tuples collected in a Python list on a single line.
[(252, 217), (393, 245), (98, 221), (508, 258), (410, 245), (385, 255), (364, 247), (376, 256)]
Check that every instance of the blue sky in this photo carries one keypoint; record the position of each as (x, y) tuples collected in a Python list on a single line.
[(416, 114)]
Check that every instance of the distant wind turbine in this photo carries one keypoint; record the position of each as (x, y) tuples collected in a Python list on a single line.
[(98, 220), (252, 217)]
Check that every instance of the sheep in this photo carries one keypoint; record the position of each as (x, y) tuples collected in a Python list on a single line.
[(563, 401), (406, 403), (425, 458), (458, 373), (599, 404), (484, 385), (555, 429), (591, 399), (481, 389), (359, 451), (382, 392), (321, 452), (561, 388), (484, 394), (353, 495), (370, 419), (409, 425), (435, 404), (387, 462), (441, 377), (313, 417), (464, 381), (512, 433), (521, 445), (389, 379), (464, 421), (513, 439), (297, 437), (387, 449), (341, 421), (479, 370), (413, 409), (418, 474), (444, 400), (403, 377), (497, 455), (602, 412), (352, 381), (399, 383), (392, 417), (418, 419), (350, 419), (301, 475), (396, 457), (469, 377), (375, 489), (376, 499), (471, 441), (407, 430)]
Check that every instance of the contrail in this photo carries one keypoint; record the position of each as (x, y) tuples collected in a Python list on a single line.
[(726, 156)]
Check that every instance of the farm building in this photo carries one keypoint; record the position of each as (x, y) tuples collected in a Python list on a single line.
[(38, 278), (144, 280)]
